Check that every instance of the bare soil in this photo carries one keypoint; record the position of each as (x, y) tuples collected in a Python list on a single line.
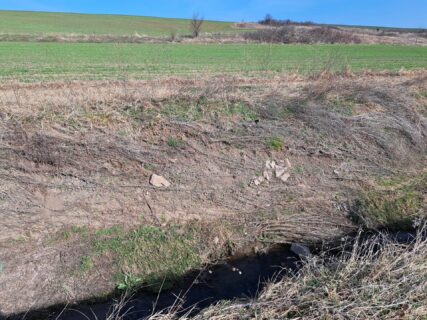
[(79, 156)]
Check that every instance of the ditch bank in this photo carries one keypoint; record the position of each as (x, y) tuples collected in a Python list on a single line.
[(241, 277)]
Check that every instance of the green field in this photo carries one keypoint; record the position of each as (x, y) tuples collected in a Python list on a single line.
[(21, 22), (48, 61)]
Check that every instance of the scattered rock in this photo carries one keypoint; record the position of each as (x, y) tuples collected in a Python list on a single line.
[(267, 175), (285, 177), (270, 164), (159, 181), (280, 171), (301, 250), (258, 181), (272, 168)]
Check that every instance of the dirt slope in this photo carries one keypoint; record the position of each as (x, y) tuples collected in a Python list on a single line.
[(79, 156)]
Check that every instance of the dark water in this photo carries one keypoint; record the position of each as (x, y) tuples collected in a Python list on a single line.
[(241, 278)]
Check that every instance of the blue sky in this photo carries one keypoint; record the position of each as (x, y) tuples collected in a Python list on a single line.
[(399, 13)]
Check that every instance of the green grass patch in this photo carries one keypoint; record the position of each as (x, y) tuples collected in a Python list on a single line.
[(175, 143), (27, 61), (275, 144), (86, 264), (156, 257), (182, 111), (423, 93), (395, 206)]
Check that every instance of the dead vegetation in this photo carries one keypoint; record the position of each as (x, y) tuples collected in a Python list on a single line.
[(378, 279), (79, 156), (312, 35)]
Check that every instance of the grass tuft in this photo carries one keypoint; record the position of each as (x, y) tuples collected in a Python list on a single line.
[(175, 143), (275, 144)]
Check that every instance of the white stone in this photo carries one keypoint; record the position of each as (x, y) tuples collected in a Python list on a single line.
[(159, 181), (270, 164), (280, 171), (258, 181), (285, 177), (267, 175)]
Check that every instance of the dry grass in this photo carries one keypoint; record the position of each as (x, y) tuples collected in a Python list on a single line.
[(377, 279)]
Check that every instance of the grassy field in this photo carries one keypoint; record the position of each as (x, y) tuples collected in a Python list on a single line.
[(21, 22), (49, 61)]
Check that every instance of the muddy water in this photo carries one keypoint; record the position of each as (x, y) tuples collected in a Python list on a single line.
[(238, 278)]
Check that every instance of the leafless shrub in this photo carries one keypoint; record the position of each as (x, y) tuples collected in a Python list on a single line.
[(196, 24)]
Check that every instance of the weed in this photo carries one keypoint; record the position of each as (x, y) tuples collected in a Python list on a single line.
[(123, 133), (1, 267), (108, 231), (135, 114), (149, 167), (128, 282), (239, 109), (86, 263), (299, 169), (182, 111), (175, 143), (275, 144)]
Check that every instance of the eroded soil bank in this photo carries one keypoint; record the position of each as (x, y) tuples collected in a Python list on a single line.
[(248, 161)]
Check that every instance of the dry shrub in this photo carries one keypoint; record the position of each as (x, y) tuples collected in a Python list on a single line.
[(292, 34), (329, 35)]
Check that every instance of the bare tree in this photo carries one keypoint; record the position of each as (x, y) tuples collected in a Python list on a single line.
[(196, 24)]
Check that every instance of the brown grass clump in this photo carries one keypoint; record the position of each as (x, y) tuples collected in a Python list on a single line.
[(378, 279)]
